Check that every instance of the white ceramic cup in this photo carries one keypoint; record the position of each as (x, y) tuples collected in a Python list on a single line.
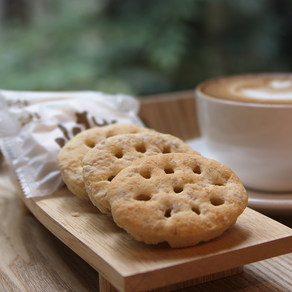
[(253, 138)]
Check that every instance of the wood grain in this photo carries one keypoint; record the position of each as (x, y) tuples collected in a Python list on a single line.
[(32, 258), (30, 254), (132, 266), (105, 286), (173, 114)]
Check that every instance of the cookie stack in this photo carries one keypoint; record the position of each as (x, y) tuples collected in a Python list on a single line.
[(154, 185)]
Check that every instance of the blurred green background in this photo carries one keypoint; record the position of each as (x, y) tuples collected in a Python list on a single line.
[(139, 47)]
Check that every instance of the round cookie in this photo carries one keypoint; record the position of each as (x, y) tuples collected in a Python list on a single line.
[(71, 155), (177, 198), (110, 156)]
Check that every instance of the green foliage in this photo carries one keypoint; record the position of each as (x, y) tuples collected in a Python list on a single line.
[(142, 47)]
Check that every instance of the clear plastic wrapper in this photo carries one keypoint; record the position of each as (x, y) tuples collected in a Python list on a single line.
[(35, 125)]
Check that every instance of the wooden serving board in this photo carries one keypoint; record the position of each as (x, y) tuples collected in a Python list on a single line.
[(127, 265)]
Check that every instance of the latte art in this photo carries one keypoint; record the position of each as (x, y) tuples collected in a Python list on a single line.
[(258, 88)]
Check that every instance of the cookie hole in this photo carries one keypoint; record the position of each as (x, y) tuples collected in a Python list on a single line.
[(145, 173), (119, 154), (141, 148), (166, 150), (111, 178), (197, 169), (90, 144), (177, 189), (217, 201), (222, 181), (167, 213), (196, 210), (168, 170), (220, 184), (143, 197)]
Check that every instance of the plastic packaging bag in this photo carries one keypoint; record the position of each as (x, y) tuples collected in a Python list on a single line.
[(35, 125)]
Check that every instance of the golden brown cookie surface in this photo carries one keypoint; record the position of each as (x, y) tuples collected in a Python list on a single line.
[(71, 155), (178, 198), (102, 163)]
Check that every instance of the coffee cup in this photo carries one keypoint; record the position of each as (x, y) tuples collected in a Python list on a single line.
[(246, 123)]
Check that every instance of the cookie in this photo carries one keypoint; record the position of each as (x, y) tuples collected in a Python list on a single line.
[(177, 198), (103, 162), (71, 155)]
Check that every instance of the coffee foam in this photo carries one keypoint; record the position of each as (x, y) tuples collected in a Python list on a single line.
[(257, 88)]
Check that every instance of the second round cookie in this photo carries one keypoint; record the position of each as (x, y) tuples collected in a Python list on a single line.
[(102, 163)]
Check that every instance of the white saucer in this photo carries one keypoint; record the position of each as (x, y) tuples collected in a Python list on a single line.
[(264, 202)]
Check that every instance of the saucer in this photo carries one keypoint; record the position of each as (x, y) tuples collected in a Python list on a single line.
[(264, 202)]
